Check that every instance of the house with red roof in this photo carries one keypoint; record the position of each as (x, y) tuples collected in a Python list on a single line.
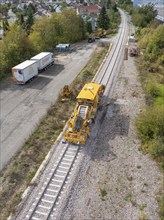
[(89, 10)]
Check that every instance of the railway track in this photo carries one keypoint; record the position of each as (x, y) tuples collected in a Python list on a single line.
[(44, 205), (50, 193), (108, 68)]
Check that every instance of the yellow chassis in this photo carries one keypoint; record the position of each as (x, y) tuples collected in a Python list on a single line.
[(76, 138)]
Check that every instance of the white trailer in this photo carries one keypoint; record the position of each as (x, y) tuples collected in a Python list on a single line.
[(43, 59), (63, 47), (25, 71)]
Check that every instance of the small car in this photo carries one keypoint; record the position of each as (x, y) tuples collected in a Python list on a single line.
[(91, 39)]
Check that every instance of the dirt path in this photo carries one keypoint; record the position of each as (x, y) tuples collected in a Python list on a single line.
[(116, 181)]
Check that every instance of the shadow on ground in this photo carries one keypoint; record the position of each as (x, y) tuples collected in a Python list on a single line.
[(111, 124), (53, 70), (38, 83)]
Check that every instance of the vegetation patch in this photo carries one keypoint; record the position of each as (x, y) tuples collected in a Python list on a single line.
[(16, 177), (160, 200), (103, 193), (143, 216), (150, 122)]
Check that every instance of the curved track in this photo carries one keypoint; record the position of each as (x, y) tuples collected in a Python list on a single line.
[(107, 70)]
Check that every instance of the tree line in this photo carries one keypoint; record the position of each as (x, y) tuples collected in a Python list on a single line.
[(28, 37), (141, 16), (24, 40)]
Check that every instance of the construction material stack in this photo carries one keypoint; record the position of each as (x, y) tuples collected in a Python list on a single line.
[(133, 52), (88, 101)]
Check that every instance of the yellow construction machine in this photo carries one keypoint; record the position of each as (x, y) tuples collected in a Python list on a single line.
[(100, 33), (88, 101), (66, 91)]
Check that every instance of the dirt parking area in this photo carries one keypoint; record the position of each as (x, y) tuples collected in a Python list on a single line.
[(23, 106)]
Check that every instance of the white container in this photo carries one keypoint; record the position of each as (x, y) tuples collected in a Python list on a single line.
[(25, 71), (43, 59), (63, 46)]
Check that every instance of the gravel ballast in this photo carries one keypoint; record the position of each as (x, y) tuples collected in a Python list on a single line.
[(116, 181)]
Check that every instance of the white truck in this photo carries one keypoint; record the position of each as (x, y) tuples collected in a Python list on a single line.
[(43, 59), (25, 71)]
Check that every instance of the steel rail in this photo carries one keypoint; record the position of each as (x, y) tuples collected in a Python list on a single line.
[(117, 48), (78, 148), (62, 158)]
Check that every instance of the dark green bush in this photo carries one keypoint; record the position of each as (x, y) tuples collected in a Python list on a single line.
[(156, 147), (150, 123)]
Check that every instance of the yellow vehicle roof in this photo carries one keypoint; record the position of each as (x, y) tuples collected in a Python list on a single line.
[(89, 91)]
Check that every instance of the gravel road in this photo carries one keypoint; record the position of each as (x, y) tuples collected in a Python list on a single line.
[(22, 106), (116, 181)]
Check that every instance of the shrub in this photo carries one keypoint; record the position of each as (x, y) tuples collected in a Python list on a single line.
[(150, 124), (151, 88), (103, 192), (156, 147)]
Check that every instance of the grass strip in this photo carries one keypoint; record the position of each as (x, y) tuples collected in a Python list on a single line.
[(16, 177), (150, 122)]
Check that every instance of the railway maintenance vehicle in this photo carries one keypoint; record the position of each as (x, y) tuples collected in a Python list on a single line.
[(65, 91), (88, 101)]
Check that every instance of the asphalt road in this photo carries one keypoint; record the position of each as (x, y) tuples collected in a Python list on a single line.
[(22, 106)]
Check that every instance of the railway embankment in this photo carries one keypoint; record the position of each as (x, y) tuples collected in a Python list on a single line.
[(116, 180)]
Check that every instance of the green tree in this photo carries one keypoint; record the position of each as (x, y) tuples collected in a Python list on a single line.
[(4, 9), (114, 7), (57, 28), (29, 21), (125, 2), (20, 19), (103, 19), (5, 25), (149, 12), (88, 27), (64, 5), (155, 47), (16, 47), (108, 4), (2, 59), (73, 26), (142, 16), (42, 36), (114, 17)]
